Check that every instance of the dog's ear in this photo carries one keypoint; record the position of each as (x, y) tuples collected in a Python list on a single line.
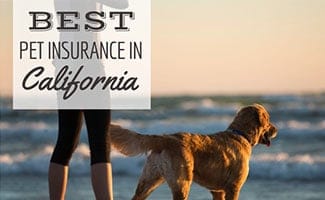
[(247, 115), (262, 115)]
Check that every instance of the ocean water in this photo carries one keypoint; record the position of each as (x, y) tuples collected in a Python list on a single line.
[(292, 168)]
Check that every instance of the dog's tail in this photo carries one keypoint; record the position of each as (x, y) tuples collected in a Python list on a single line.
[(131, 143)]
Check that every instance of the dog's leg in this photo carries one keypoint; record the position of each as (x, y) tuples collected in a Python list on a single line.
[(218, 195), (150, 179), (232, 194), (180, 189), (179, 179), (146, 185)]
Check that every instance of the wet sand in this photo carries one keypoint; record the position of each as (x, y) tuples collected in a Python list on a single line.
[(35, 187)]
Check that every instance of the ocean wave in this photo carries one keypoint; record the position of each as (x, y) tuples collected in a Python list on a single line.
[(208, 106), (173, 125), (289, 112), (43, 131), (37, 164), (16, 137), (25, 125), (301, 125), (280, 166)]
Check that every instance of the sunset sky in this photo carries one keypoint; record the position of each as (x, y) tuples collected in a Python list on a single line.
[(223, 46)]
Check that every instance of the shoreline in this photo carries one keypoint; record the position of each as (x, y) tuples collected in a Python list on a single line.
[(79, 187)]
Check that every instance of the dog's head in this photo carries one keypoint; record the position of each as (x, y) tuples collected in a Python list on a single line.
[(254, 122)]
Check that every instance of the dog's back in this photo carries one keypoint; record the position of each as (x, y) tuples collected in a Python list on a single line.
[(131, 143)]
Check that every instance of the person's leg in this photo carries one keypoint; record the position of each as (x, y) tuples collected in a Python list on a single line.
[(70, 122), (98, 122), (58, 179), (101, 178)]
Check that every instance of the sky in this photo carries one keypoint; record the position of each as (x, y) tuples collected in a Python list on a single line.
[(223, 47)]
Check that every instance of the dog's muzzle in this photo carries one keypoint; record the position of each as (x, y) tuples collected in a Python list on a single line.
[(270, 134)]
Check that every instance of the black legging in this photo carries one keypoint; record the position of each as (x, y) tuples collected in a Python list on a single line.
[(70, 122)]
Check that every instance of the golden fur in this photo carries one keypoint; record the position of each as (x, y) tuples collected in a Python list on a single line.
[(219, 162)]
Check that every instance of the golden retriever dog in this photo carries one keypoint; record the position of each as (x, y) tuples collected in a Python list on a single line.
[(218, 162)]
